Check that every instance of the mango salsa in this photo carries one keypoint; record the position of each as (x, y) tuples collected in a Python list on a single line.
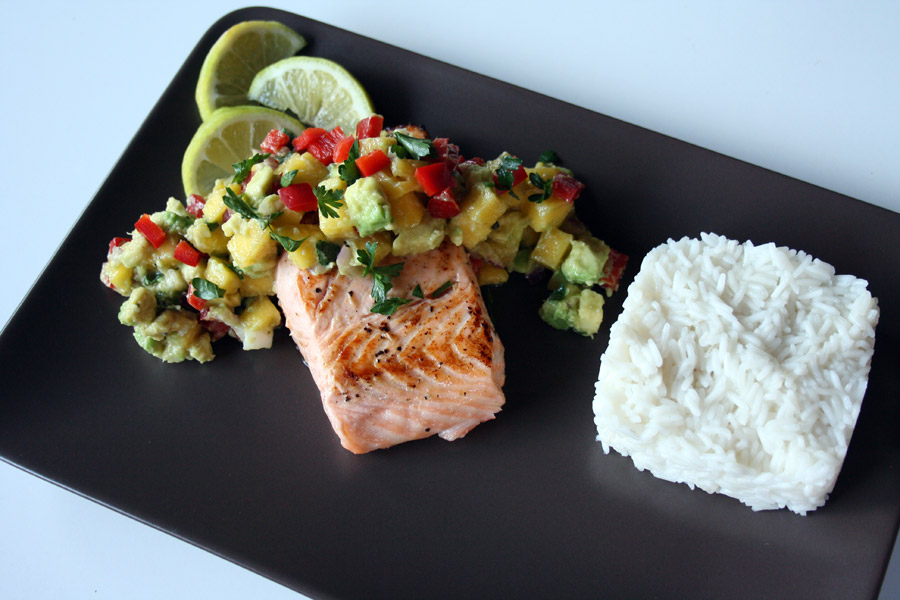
[(205, 267)]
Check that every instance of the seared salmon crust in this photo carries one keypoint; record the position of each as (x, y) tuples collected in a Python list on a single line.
[(435, 366)]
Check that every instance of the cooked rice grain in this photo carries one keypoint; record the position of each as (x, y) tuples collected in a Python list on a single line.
[(738, 369)]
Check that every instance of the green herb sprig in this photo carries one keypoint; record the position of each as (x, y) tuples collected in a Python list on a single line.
[(348, 171), (240, 206), (545, 185), (329, 201), (242, 169), (381, 280), (412, 147)]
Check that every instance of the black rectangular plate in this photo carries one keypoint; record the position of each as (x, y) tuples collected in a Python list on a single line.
[(237, 456)]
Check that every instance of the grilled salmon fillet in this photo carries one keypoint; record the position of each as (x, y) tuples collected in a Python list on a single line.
[(435, 366)]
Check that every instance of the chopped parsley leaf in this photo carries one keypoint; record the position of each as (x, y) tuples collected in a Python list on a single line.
[(329, 201), (411, 147), (287, 243), (549, 157), (242, 169), (348, 171), (288, 178), (206, 289), (545, 185), (442, 289), (327, 252)]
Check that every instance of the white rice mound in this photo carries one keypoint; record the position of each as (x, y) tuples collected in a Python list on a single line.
[(738, 369)]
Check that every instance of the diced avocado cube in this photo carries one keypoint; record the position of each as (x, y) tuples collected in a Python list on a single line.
[(425, 236), (139, 308), (370, 210), (572, 307), (584, 263), (259, 185)]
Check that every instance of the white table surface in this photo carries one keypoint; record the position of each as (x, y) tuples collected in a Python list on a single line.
[(809, 89)]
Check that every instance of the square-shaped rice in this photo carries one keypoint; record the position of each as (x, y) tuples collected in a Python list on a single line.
[(738, 369)]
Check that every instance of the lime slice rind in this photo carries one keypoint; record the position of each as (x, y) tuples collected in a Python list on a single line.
[(230, 135), (320, 92), (236, 57)]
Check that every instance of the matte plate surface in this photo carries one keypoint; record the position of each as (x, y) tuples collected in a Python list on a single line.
[(238, 457)]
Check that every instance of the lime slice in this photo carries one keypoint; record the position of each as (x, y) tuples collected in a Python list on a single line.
[(319, 91), (236, 57), (230, 135)]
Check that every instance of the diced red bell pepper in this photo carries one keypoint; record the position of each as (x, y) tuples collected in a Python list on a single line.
[(217, 329), (298, 197), (153, 232), (194, 300), (475, 160), (434, 178), (477, 263), (302, 141), (194, 205), (342, 149), (275, 141), (519, 175), (187, 254), (373, 162), (566, 187), (115, 243), (370, 127), (447, 152), (443, 205), (613, 270), (323, 146)]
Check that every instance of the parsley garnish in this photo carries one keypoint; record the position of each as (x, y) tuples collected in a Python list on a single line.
[(506, 173), (205, 289), (348, 171), (389, 306), (288, 178), (441, 290), (417, 292), (411, 147), (151, 278), (381, 277), (329, 201), (242, 169), (238, 204), (287, 243), (545, 185), (236, 270), (558, 294), (549, 157), (327, 252)]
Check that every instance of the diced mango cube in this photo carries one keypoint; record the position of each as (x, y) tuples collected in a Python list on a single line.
[(251, 246), (505, 239), (340, 227), (260, 315), (407, 211), (551, 248), (304, 256), (214, 209), (405, 168), (204, 239), (395, 188), (547, 214), (119, 277), (218, 272), (491, 275), (260, 286), (478, 212), (309, 169)]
